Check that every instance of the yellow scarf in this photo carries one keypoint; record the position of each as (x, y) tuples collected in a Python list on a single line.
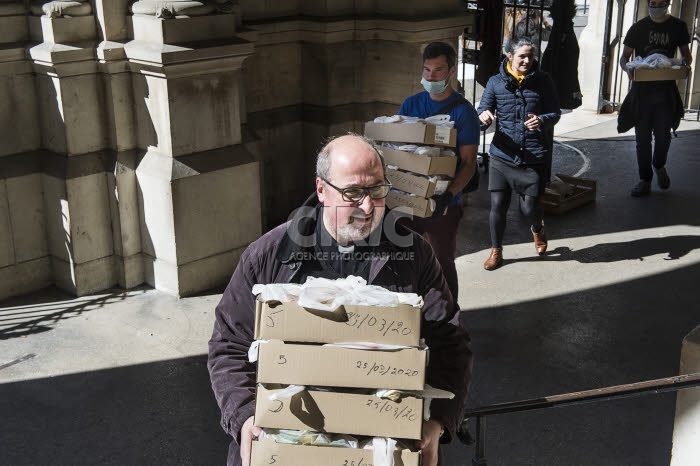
[(514, 74)]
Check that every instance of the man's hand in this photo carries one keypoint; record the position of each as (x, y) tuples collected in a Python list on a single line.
[(533, 122), (430, 442), (441, 203), (486, 117), (248, 433)]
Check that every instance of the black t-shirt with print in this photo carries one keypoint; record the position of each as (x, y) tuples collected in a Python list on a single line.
[(647, 37)]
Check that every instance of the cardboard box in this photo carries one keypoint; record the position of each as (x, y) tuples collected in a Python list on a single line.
[(267, 451), (417, 206), (420, 163), (330, 366), (583, 192), (660, 74), (290, 322), (341, 413), (414, 184), (417, 133)]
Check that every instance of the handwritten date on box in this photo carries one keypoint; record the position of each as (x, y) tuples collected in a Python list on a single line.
[(383, 326), (382, 369), (360, 462), (389, 408)]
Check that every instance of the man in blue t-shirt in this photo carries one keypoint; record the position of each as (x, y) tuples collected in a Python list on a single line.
[(439, 72), (657, 33)]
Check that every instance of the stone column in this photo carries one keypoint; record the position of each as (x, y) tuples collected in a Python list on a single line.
[(591, 51), (16, 84), (118, 109), (686, 427), (74, 135), (198, 185), (688, 14), (24, 259)]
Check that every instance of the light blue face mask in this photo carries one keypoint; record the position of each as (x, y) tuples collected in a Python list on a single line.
[(434, 87), (657, 12)]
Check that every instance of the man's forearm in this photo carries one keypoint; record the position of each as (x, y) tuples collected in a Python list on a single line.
[(623, 62), (465, 172)]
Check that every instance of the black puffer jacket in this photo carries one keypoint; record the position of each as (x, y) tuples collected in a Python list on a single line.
[(512, 103)]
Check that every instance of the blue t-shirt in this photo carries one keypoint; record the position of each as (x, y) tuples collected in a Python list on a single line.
[(465, 117)]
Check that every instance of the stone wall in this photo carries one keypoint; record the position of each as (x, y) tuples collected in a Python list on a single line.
[(151, 142)]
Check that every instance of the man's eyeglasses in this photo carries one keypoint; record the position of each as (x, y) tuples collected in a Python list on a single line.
[(356, 193)]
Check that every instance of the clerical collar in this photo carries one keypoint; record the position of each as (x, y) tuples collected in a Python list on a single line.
[(346, 249)]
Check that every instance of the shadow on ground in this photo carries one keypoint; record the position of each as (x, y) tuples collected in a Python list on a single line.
[(623, 333), (26, 315), (156, 413), (674, 247)]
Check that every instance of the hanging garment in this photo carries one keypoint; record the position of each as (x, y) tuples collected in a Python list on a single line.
[(560, 58)]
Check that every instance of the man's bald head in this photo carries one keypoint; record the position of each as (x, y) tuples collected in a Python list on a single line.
[(345, 149)]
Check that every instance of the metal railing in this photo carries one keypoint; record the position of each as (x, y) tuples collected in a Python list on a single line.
[(655, 386)]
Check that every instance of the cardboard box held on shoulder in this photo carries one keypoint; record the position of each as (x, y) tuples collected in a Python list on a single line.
[(420, 163), (267, 451), (290, 322), (298, 364), (660, 74), (341, 413), (415, 133), (414, 205)]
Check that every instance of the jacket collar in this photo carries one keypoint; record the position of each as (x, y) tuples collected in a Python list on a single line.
[(503, 71), (300, 229)]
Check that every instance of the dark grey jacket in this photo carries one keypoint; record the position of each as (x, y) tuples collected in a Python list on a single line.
[(272, 259)]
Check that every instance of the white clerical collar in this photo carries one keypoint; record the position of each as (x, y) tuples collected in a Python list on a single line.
[(346, 249)]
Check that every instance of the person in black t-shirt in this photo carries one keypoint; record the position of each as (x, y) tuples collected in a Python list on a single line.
[(657, 33)]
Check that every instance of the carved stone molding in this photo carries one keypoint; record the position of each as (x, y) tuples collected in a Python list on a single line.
[(172, 8), (57, 9)]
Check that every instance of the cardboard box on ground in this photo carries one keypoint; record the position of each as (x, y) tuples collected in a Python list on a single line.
[(306, 362), (423, 188), (578, 192)]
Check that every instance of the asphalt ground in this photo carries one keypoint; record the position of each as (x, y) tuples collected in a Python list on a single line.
[(120, 378)]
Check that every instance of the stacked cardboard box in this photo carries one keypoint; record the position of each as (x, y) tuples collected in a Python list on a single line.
[(290, 353), (412, 177)]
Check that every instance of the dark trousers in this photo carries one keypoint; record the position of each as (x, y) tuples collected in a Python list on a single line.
[(441, 233), (655, 117)]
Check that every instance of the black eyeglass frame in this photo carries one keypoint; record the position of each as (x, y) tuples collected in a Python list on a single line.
[(365, 190)]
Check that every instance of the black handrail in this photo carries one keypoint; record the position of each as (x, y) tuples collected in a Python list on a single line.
[(586, 396)]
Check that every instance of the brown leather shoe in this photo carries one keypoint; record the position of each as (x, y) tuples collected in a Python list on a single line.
[(495, 260), (540, 240)]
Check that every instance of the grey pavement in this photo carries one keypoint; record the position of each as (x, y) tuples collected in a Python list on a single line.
[(120, 378)]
